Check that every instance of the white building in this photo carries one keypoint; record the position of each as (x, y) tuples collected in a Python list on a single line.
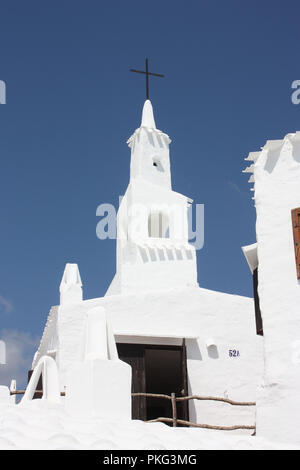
[(275, 261), (177, 336)]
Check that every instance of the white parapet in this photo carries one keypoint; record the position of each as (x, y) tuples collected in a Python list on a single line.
[(100, 385), (100, 388)]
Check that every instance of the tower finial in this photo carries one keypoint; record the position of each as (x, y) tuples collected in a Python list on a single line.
[(70, 287)]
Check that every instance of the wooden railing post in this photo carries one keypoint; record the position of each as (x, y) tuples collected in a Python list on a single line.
[(174, 410)]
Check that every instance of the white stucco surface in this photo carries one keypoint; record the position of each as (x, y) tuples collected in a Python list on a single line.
[(4, 394), (41, 425), (166, 317), (99, 384), (100, 388), (276, 174)]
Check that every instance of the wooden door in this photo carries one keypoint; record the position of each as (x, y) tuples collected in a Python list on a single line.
[(134, 355)]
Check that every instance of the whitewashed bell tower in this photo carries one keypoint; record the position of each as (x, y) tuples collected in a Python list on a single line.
[(153, 251), (150, 157)]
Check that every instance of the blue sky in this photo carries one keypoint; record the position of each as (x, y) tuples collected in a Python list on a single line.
[(72, 103)]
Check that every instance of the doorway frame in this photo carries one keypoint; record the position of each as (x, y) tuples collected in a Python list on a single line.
[(139, 406)]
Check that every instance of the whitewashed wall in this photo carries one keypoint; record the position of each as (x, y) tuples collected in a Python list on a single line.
[(277, 191), (164, 317)]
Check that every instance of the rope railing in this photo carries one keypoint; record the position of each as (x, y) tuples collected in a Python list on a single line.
[(175, 421), (203, 426), (196, 397)]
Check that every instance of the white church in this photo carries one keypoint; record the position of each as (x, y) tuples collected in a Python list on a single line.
[(177, 337)]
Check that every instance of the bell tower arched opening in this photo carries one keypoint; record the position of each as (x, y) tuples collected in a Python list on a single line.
[(158, 225)]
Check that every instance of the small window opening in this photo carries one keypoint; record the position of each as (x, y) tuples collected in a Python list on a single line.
[(157, 163), (158, 225)]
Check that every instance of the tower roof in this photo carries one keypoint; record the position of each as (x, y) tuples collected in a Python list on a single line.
[(147, 116), (71, 276), (70, 287)]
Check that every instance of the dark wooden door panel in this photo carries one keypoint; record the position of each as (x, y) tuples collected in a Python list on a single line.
[(134, 355), (184, 406), (296, 233)]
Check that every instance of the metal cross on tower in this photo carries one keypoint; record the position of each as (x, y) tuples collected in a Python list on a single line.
[(147, 73)]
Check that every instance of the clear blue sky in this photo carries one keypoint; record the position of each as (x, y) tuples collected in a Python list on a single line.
[(72, 103)]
